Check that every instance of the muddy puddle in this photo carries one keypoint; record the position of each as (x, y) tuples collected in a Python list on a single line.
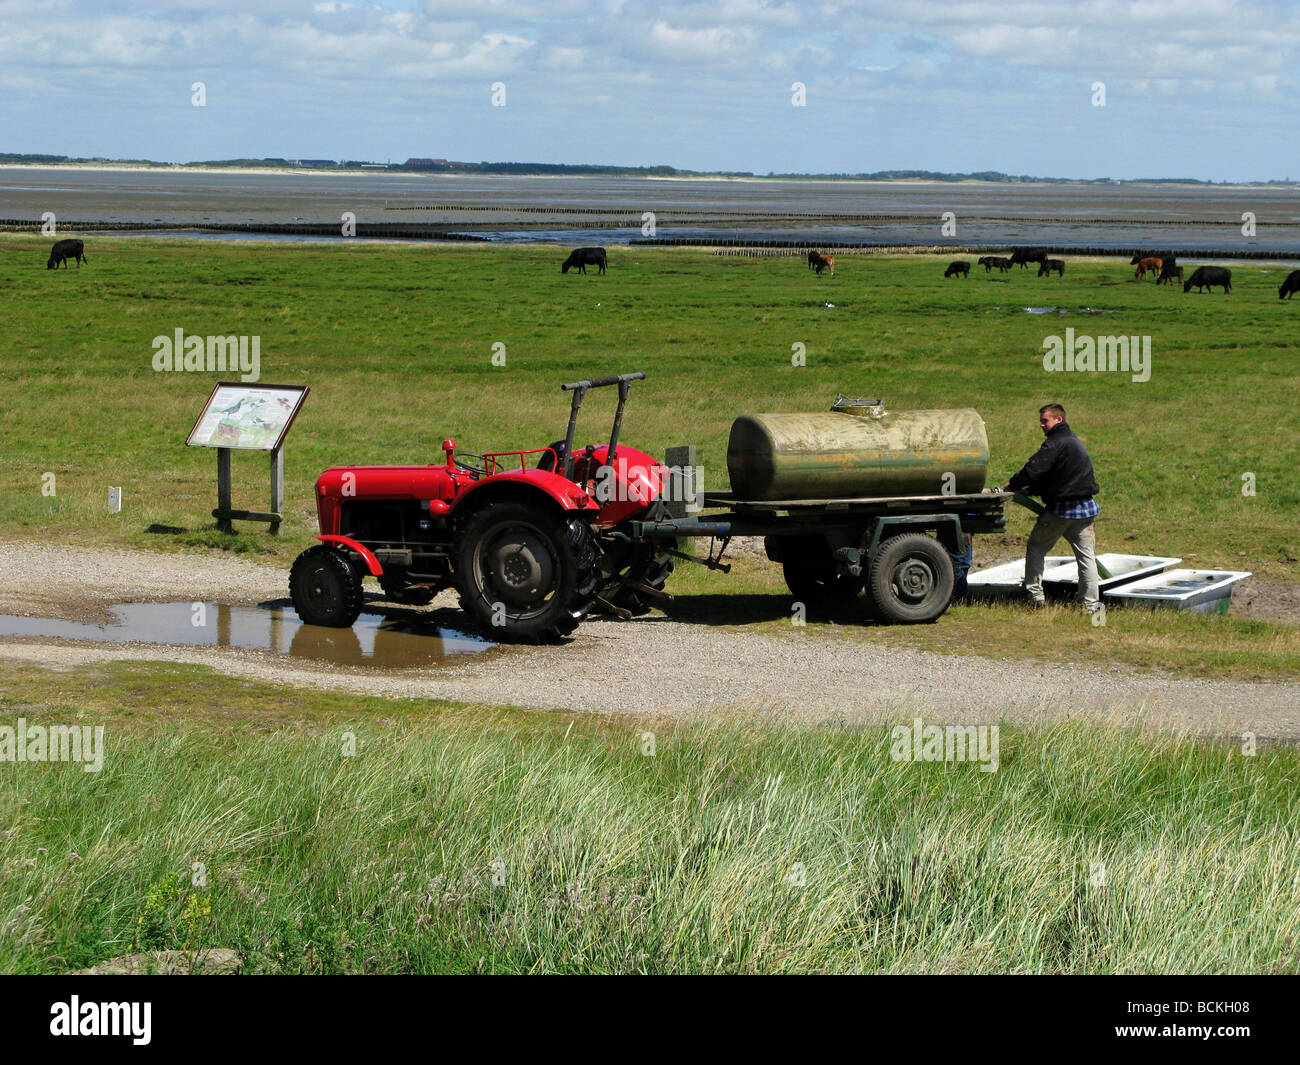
[(381, 642)]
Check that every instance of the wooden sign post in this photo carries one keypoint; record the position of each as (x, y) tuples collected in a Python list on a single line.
[(249, 418)]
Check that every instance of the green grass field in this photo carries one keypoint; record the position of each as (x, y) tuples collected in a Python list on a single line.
[(396, 343), (739, 845)]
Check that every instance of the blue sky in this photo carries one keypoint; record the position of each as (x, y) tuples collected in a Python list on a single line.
[(1198, 88)]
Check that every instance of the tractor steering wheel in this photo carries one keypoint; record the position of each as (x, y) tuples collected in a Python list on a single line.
[(469, 467)]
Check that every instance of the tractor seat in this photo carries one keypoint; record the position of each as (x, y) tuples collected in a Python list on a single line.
[(547, 461)]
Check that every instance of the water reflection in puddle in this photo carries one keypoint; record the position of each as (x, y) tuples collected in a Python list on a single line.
[(385, 642)]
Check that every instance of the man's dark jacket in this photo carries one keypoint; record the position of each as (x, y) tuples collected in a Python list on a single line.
[(1059, 470)]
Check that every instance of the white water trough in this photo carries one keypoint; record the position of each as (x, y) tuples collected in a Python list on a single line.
[(1205, 591), (1112, 570), (1006, 579), (1061, 574)]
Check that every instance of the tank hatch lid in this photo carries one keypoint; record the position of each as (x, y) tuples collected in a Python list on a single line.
[(862, 408)]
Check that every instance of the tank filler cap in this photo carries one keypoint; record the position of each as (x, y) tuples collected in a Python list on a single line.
[(860, 408)]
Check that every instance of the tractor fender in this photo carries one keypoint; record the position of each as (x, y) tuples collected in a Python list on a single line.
[(368, 556), (559, 490)]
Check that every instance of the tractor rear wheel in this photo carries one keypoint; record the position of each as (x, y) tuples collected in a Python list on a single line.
[(326, 587), (627, 567), (910, 579), (526, 572)]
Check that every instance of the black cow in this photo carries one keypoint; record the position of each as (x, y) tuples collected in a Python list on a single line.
[(1209, 276), (814, 257), (65, 250), (1048, 265), (1170, 273), (583, 258), (1025, 256), (997, 264), (1289, 286), (957, 269)]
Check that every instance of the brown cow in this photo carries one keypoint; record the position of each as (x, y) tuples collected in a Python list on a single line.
[(1146, 266), (825, 262)]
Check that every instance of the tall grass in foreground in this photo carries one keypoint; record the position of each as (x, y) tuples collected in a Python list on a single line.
[(1091, 849)]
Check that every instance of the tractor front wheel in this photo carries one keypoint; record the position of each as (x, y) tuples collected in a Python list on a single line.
[(326, 588), (526, 572)]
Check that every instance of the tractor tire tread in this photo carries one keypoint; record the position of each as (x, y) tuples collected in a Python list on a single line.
[(353, 596)]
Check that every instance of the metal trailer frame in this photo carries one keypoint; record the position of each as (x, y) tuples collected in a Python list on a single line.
[(853, 529)]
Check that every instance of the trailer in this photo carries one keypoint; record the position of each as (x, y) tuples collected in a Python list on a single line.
[(899, 548)]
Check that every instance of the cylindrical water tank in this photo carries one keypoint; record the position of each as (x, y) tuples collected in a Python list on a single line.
[(839, 455)]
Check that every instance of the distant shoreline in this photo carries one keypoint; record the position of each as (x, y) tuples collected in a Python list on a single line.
[(180, 168)]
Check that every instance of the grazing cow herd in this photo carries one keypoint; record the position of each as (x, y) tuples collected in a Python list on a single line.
[(1163, 267)]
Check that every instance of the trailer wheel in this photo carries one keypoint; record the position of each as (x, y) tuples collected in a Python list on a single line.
[(525, 572), (910, 579), (818, 584), (325, 588)]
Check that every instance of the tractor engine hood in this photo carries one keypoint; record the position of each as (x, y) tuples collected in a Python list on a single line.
[(342, 484), (387, 482)]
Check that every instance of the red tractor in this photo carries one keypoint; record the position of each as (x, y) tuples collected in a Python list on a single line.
[(531, 550)]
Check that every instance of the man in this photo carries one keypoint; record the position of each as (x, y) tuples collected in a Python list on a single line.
[(1060, 472)]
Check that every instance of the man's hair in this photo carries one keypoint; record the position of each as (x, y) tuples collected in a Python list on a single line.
[(1052, 408)]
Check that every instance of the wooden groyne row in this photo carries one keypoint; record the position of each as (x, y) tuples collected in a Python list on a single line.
[(390, 230), (633, 215), (791, 248)]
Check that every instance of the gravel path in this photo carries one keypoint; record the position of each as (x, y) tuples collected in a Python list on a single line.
[(650, 665)]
